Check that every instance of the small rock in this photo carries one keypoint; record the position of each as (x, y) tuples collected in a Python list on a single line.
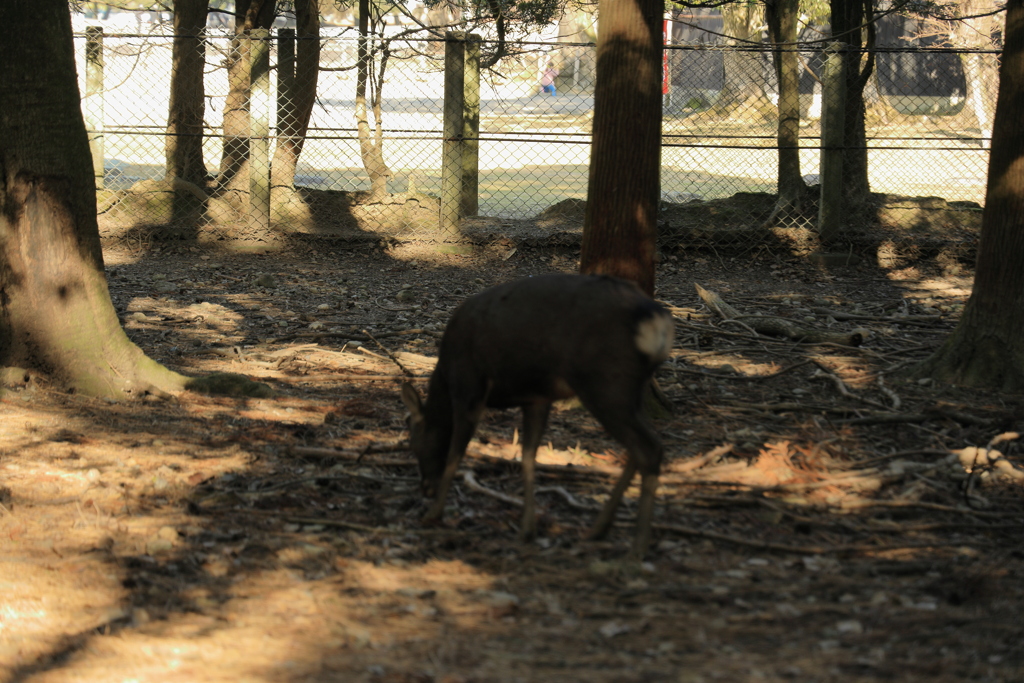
[(140, 617), (163, 286), (741, 574), (788, 610), (850, 626), (155, 546), (614, 628)]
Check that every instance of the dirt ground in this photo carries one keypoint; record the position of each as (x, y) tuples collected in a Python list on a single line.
[(821, 516)]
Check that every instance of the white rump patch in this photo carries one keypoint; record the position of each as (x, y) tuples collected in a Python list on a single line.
[(654, 337)]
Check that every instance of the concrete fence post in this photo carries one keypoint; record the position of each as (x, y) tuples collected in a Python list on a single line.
[(452, 131), (471, 129)]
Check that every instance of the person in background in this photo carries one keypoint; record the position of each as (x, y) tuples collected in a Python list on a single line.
[(547, 80)]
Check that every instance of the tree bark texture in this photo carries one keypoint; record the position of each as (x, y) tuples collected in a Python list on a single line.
[(781, 16), (371, 144), (620, 226), (852, 25), (987, 347), (184, 142), (744, 75), (55, 310), (978, 33), (234, 175), (293, 122)]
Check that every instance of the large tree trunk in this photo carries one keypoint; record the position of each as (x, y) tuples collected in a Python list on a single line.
[(294, 121), (744, 77), (183, 147), (987, 347), (781, 16), (371, 145), (620, 226), (55, 310), (852, 25), (234, 164)]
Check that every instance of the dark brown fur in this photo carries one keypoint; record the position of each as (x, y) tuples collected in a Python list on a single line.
[(528, 343)]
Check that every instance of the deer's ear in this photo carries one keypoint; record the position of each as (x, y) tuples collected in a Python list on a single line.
[(411, 399)]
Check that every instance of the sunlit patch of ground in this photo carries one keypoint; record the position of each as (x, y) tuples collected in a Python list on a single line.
[(802, 533)]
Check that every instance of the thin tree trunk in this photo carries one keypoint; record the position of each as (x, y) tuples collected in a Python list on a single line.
[(184, 142), (781, 16), (370, 145), (976, 33), (55, 312), (292, 126), (234, 164), (850, 20), (987, 347), (620, 226), (744, 80)]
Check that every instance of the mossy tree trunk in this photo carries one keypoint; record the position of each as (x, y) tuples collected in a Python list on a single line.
[(987, 347), (56, 315), (620, 225)]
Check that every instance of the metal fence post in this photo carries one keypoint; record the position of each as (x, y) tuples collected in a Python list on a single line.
[(92, 105), (452, 130), (259, 130), (471, 129), (833, 114)]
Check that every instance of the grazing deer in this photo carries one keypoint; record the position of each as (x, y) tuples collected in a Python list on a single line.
[(529, 343)]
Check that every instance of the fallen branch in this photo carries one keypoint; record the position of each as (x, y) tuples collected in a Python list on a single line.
[(779, 327), (928, 320), (804, 549), (394, 359), (352, 336), (473, 484), (569, 498), (323, 377), (893, 397), (699, 461), (356, 527)]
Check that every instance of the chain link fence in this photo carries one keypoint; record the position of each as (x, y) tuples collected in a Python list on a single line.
[(375, 160)]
